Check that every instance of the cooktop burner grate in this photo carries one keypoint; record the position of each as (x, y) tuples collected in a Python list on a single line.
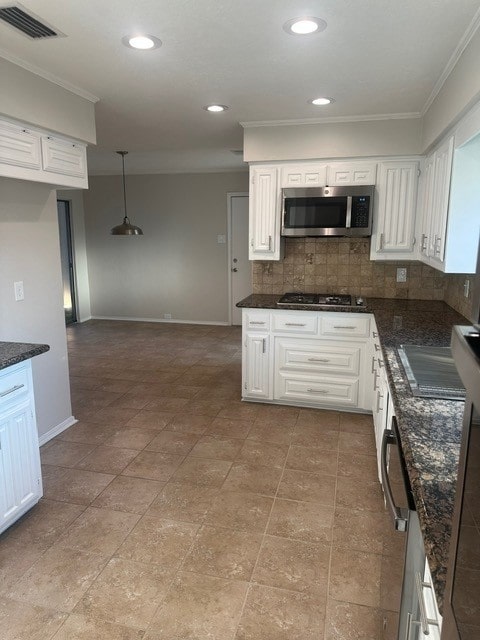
[(319, 299)]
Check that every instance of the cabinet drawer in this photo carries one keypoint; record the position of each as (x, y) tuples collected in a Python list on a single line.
[(315, 356), (260, 321), (295, 323), (345, 325), (316, 390), (14, 382)]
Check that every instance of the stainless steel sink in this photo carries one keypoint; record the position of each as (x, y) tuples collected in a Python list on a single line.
[(431, 372)]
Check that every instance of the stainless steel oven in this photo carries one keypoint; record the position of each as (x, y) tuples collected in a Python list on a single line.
[(404, 541)]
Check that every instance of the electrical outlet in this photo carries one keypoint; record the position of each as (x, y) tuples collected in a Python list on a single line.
[(401, 274), (18, 288), (167, 316)]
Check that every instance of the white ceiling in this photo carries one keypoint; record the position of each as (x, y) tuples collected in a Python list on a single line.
[(375, 57)]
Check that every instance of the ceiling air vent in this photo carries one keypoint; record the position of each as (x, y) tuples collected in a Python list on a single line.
[(16, 16)]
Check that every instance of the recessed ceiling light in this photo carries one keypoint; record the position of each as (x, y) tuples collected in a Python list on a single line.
[(142, 42), (320, 102), (304, 26), (215, 108)]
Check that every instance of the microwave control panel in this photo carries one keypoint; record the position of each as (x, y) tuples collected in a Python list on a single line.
[(360, 211)]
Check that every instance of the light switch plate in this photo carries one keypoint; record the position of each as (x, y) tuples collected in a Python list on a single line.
[(18, 288)]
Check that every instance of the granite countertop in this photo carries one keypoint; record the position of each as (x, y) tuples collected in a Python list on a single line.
[(14, 352), (430, 430)]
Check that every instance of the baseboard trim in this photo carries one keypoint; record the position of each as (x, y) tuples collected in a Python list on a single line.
[(54, 431), (171, 321)]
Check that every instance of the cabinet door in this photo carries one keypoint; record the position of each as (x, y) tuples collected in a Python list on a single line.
[(441, 196), (20, 477), (256, 370), (264, 218), (425, 221), (396, 192), (19, 147), (63, 157), (351, 173), (303, 175)]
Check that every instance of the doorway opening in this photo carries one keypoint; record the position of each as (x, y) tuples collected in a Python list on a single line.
[(239, 267), (66, 256)]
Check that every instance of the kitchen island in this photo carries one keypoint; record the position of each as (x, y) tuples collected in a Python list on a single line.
[(430, 430)]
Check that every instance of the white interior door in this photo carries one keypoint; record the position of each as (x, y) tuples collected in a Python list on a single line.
[(240, 268)]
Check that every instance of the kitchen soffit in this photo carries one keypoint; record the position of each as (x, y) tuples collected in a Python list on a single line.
[(375, 57)]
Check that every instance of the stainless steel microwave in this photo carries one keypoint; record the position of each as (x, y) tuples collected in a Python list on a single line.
[(327, 211)]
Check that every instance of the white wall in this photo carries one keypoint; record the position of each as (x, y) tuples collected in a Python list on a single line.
[(333, 140), (177, 267), (459, 92), (29, 251), (29, 98), (77, 219)]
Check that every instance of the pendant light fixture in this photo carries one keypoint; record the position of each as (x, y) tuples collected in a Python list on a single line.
[(125, 229)]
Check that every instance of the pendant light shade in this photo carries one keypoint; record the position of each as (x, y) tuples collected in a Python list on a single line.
[(126, 228)]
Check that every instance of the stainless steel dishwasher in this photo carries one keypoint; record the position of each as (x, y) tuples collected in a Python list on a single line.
[(405, 539)]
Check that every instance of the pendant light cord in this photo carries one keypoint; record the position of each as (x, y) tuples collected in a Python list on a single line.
[(124, 189)]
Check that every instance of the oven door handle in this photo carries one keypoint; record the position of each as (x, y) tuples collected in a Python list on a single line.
[(400, 516)]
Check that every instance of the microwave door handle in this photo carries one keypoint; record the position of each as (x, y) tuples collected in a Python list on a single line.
[(399, 517), (348, 221)]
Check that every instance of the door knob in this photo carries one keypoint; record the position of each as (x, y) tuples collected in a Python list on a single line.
[(235, 269)]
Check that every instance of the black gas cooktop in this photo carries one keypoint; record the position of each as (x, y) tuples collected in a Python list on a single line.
[(319, 300)]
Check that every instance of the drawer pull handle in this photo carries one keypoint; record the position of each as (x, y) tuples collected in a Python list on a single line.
[(380, 362), (256, 322), (319, 360), (294, 324), (373, 364), (264, 345), (377, 347), (310, 390), (339, 326), (8, 391), (425, 621)]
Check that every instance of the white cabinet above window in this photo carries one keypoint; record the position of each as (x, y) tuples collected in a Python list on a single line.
[(34, 155)]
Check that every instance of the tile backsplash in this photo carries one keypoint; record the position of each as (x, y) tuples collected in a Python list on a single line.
[(343, 265)]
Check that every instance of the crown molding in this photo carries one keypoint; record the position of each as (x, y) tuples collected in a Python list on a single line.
[(454, 58), (332, 119), (48, 76)]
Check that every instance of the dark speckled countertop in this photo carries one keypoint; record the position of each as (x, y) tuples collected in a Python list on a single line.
[(430, 430), (14, 352)]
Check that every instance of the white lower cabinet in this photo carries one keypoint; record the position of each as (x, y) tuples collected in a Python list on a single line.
[(307, 358), (20, 474), (256, 365)]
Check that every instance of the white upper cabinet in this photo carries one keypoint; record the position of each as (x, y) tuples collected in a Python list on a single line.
[(351, 173), (448, 214), (19, 147), (30, 154), (264, 214), (61, 156), (314, 175), (393, 234), (441, 195)]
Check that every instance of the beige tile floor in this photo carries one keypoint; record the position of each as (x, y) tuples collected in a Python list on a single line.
[(174, 511)]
